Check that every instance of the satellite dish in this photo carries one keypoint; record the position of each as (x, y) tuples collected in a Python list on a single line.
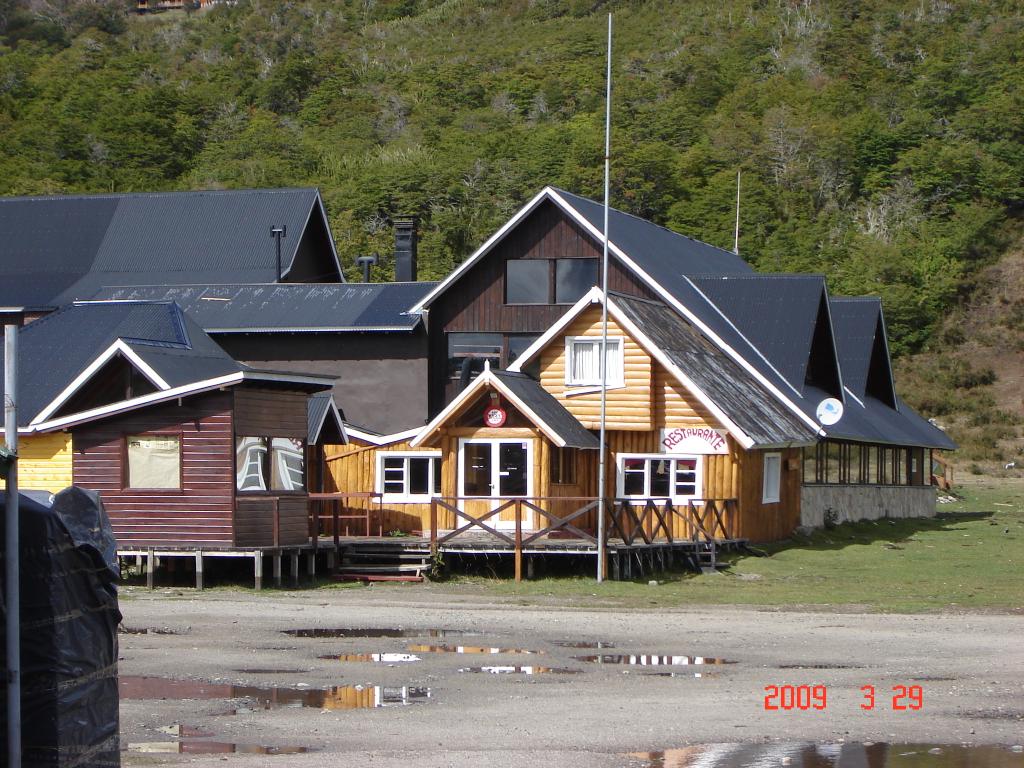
[(829, 411)]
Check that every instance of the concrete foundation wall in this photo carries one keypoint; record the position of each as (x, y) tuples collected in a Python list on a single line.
[(864, 502)]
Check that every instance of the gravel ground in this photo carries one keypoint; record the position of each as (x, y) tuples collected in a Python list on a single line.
[(970, 667)]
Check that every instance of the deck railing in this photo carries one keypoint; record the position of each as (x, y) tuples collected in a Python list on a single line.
[(336, 508), (653, 520)]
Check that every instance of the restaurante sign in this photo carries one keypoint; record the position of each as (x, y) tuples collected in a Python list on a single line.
[(693, 440)]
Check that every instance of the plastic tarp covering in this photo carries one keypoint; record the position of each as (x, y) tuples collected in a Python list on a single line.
[(69, 619)]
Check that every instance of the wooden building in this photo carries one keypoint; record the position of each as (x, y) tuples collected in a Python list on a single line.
[(187, 447)]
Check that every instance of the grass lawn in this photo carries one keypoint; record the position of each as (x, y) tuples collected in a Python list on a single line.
[(970, 557)]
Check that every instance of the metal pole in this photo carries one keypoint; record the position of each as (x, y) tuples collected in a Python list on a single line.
[(11, 574), (736, 241), (602, 462)]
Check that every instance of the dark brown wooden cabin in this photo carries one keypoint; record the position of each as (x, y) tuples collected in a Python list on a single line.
[(229, 463)]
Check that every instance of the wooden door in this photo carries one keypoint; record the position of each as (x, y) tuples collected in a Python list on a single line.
[(493, 470)]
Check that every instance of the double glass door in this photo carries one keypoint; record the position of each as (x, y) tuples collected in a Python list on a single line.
[(493, 470)]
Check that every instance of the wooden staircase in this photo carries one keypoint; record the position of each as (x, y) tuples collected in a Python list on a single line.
[(707, 557), (382, 561)]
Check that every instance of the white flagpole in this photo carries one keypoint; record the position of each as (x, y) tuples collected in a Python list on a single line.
[(601, 462), (736, 241)]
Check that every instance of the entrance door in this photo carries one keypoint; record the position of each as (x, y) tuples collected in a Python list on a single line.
[(494, 470)]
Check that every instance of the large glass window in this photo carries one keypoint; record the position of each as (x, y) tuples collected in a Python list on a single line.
[(548, 281), (573, 278), (274, 464), (409, 477), (583, 361), (527, 281), (154, 461), (467, 353), (659, 477), (477, 469)]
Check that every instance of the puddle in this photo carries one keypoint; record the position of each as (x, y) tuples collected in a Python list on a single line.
[(677, 674), (471, 649), (821, 666), (187, 731), (267, 697), (379, 658), (259, 671), (807, 755), (523, 670), (651, 661), (333, 632), (583, 644), (192, 747)]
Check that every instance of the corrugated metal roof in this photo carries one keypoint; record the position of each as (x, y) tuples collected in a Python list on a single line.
[(320, 408), (548, 409), (776, 313), (856, 323), (659, 251), (73, 245), (288, 306), (733, 390)]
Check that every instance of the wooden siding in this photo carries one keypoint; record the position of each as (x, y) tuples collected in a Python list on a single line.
[(270, 413), (254, 521), (198, 513), (673, 405), (769, 522), (477, 301), (44, 462), (629, 407)]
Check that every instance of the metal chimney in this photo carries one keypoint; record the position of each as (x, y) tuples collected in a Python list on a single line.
[(405, 249)]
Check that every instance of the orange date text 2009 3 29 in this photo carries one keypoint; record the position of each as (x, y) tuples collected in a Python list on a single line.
[(815, 697)]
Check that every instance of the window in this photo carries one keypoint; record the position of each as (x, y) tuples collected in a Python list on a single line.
[(276, 464), (772, 481), (583, 361), (467, 353), (660, 477), (563, 465), (408, 476), (548, 281), (154, 461)]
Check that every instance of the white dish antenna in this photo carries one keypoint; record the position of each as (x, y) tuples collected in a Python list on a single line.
[(829, 411)]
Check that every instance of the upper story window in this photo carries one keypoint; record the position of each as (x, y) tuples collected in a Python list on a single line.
[(548, 281), (583, 361), (467, 353)]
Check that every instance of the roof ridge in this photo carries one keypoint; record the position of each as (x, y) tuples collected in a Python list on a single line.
[(155, 193)]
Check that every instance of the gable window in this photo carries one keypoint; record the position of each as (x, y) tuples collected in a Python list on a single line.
[(772, 481), (583, 361), (659, 476), (409, 477), (154, 461), (274, 464), (548, 281), (467, 353)]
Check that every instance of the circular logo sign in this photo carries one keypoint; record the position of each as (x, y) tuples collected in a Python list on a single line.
[(829, 411), (495, 417)]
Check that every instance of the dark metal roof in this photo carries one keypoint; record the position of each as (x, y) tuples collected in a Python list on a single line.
[(61, 248), (288, 306), (856, 322), (55, 349), (744, 400), (548, 409), (777, 313), (660, 252), (320, 410)]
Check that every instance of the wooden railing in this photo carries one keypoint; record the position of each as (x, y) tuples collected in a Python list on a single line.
[(333, 507), (653, 521)]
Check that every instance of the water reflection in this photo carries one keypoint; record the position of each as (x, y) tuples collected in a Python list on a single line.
[(267, 697), (375, 632), (196, 747), (470, 649), (647, 660), (380, 658), (517, 669), (807, 755)]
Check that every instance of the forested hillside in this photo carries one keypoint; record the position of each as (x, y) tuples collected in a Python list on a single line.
[(881, 143)]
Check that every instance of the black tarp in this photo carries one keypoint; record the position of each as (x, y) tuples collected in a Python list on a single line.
[(69, 618)]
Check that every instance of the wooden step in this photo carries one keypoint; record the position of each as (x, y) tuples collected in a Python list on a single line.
[(377, 577), (383, 568)]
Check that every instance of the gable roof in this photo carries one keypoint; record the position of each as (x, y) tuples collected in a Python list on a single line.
[(288, 307), (60, 353), (530, 398), (665, 255), (863, 349), (319, 409), (62, 248)]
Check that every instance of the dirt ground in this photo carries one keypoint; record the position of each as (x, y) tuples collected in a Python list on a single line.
[(970, 668)]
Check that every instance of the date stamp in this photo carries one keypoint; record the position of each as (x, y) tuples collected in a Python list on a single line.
[(815, 697)]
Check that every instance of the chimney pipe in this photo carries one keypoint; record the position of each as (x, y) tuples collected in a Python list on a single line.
[(405, 249)]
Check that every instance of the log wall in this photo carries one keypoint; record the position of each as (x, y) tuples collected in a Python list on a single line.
[(45, 462)]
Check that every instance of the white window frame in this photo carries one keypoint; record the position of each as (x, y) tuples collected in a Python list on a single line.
[(620, 475), (767, 494), (405, 495), (616, 374)]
